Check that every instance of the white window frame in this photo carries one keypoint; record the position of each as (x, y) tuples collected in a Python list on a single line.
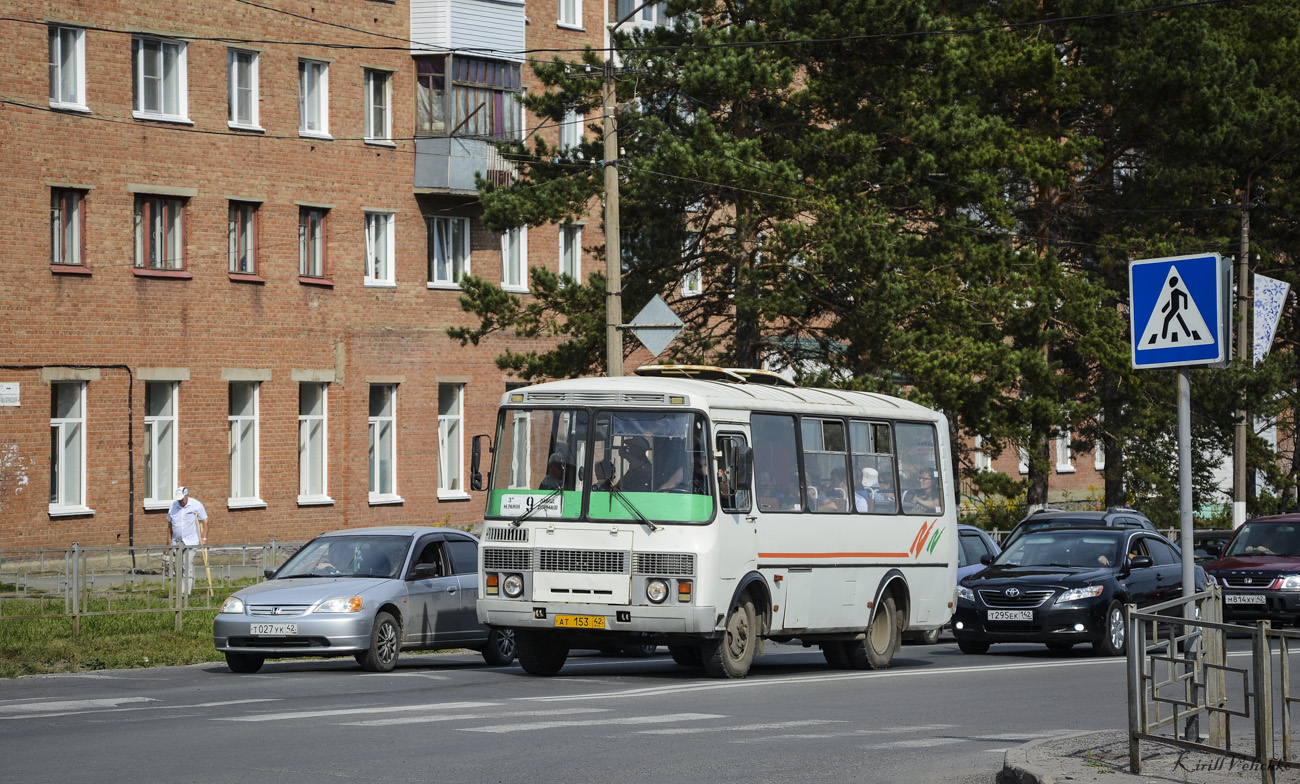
[(979, 458), (379, 115), (177, 92), (1022, 455), (68, 53), (436, 244), (242, 236), (692, 279), (514, 252), (380, 249), (451, 443), (60, 430), (66, 223), (652, 15), (245, 497), (163, 486), (1064, 457), (569, 14), (571, 252), (1099, 455), (159, 231), (314, 80), (312, 247), (305, 423), (243, 61), (571, 130), (383, 495)]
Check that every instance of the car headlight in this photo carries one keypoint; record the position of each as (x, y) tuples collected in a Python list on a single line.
[(656, 591), (340, 604), (513, 585), (965, 594), (1075, 594), (233, 605), (1291, 583)]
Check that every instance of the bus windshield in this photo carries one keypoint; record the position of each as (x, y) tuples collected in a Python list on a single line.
[(604, 465)]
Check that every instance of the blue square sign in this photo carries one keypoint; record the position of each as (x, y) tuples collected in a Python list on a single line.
[(1180, 311)]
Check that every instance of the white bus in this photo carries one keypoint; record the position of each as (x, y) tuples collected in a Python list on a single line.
[(709, 510)]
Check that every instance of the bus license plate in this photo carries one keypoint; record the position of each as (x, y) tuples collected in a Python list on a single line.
[(273, 628), (1011, 615), (1243, 598), (580, 621)]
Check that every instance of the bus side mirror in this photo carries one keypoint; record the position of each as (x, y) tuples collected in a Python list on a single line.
[(476, 460), (744, 469)]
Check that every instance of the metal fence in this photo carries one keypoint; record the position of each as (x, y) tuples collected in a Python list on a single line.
[(84, 581), (1179, 676)]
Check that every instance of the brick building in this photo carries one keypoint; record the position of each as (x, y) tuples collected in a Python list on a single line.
[(229, 256)]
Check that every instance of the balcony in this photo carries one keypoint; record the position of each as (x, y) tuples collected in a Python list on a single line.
[(448, 164)]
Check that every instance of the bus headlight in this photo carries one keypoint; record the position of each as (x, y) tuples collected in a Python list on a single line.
[(513, 585), (656, 591)]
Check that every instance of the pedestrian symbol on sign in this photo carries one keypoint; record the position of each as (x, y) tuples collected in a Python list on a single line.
[(1175, 320)]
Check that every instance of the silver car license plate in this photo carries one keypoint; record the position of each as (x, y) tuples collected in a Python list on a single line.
[(1243, 598), (273, 628), (1011, 615)]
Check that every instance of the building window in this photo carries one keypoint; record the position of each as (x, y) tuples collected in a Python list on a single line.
[(378, 117), (311, 242), (451, 442), (448, 250), (1063, 461), (159, 232), (980, 459), (692, 274), (243, 89), (570, 14), (313, 442), (243, 442), (313, 98), (66, 223), (514, 259), (67, 446), (571, 252), (160, 79), (383, 442), (571, 130), (1099, 455), (379, 249), (68, 68), (649, 15), (1023, 460), (159, 441), (481, 101), (243, 237)]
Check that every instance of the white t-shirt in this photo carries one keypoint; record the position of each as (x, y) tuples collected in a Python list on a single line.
[(185, 521)]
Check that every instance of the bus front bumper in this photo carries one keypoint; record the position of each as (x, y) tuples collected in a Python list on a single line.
[(521, 614)]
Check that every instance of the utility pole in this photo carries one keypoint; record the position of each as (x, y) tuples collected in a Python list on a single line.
[(1244, 349), (613, 246)]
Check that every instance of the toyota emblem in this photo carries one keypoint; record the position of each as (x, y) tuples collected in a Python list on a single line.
[(1013, 592)]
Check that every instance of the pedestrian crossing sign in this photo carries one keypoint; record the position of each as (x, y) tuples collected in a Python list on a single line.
[(1180, 311)]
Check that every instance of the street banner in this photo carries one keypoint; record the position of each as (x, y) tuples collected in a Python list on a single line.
[(1270, 298)]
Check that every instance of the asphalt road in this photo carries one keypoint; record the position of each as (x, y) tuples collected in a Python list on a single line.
[(936, 716)]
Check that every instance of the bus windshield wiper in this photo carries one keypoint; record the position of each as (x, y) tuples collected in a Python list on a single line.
[(546, 499), (628, 503)]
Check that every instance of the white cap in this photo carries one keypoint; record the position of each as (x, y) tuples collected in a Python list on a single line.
[(180, 493), (870, 477)]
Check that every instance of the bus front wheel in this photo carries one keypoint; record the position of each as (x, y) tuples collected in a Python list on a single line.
[(876, 650), (540, 653), (730, 655)]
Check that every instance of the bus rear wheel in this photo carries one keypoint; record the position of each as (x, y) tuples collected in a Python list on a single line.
[(876, 650), (730, 655), (540, 653)]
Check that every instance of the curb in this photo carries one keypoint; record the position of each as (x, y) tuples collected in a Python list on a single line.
[(1017, 769)]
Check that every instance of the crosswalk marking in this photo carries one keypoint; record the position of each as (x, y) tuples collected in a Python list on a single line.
[(546, 725), (776, 725), (316, 714)]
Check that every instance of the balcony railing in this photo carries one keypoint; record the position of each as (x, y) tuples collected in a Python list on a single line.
[(445, 164)]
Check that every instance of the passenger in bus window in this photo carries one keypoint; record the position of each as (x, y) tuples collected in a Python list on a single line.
[(637, 476), (837, 495), (869, 493), (554, 478), (926, 497)]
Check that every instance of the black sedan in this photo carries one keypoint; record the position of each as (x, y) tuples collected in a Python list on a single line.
[(1065, 586)]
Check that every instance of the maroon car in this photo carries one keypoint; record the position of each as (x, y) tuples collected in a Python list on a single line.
[(1259, 571)]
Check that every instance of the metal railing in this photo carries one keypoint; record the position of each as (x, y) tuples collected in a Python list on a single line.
[(86, 581), (1178, 674)]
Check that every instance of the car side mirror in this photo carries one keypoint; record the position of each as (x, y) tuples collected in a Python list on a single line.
[(476, 459), (987, 558), (1140, 561), (425, 571), (1212, 550), (269, 573)]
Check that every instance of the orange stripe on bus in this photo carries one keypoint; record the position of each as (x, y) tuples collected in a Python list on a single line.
[(832, 555)]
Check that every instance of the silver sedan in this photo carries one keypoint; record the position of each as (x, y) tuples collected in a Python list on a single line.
[(364, 592)]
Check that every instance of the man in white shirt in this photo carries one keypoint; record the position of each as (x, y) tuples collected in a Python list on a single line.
[(187, 520)]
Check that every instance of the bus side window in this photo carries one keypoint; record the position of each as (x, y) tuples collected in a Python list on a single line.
[(733, 473)]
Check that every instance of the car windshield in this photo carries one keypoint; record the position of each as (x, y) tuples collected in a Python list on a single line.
[(358, 555), (1266, 539), (1063, 548)]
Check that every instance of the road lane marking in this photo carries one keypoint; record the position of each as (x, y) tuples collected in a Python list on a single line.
[(61, 707), (776, 725), (316, 714), (546, 725), (469, 717)]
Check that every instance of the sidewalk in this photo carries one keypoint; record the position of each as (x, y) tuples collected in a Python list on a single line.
[(1102, 757)]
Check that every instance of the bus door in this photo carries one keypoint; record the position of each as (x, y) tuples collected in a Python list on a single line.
[(736, 541)]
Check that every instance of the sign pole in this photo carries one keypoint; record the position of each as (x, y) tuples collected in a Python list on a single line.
[(1185, 480)]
